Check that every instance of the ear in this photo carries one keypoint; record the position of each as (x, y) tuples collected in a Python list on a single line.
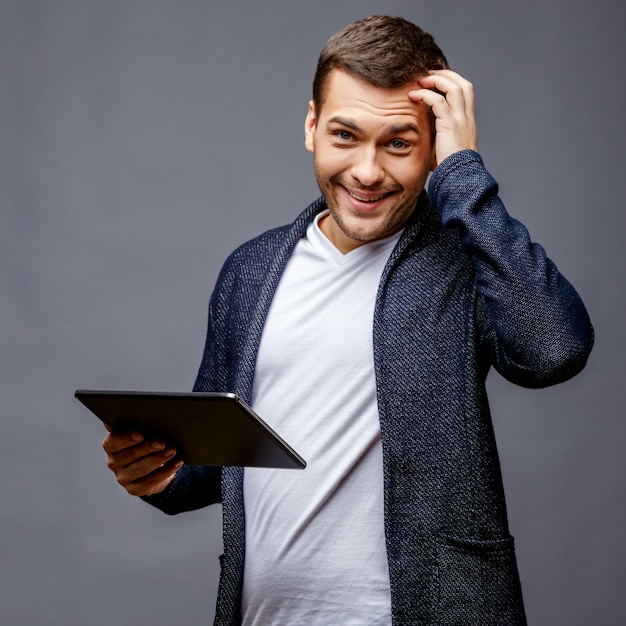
[(309, 128)]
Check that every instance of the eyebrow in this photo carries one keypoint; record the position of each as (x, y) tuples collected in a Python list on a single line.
[(389, 130)]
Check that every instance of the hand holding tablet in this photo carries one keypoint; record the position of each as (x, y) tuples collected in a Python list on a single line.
[(143, 466), (200, 428)]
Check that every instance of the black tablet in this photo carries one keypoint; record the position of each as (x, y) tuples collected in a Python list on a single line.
[(206, 428)]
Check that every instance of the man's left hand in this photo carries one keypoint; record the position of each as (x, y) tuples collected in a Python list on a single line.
[(451, 99)]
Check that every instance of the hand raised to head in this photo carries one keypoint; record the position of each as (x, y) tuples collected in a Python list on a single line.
[(451, 98)]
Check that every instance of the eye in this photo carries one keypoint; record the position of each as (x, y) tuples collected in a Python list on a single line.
[(398, 144), (344, 135)]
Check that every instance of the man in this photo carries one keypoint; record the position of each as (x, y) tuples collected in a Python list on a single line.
[(363, 333)]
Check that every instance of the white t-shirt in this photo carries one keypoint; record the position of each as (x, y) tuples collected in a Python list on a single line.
[(315, 548)]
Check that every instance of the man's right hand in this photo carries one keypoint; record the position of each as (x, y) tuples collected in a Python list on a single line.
[(144, 467)]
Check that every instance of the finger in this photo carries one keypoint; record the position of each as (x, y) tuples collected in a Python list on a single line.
[(141, 452), (451, 74), (116, 441), (434, 99), (156, 481), (451, 98), (139, 468), (459, 92)]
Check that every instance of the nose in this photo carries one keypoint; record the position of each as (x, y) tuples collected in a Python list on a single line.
[(367, 169)]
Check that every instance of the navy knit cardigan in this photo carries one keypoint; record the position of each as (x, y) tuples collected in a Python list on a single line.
[(464, 289)]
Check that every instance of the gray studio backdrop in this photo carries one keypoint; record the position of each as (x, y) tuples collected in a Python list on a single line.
[(141, 141)]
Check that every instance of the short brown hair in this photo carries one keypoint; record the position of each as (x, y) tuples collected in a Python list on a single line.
[(381, 50)]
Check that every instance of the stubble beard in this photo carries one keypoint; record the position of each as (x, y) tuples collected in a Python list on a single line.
[(372, 228)]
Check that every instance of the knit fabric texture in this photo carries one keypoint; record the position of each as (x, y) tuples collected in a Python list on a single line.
[(465, 289)]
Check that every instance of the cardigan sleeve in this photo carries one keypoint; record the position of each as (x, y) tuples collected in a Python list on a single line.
[(197, 486), (530, 318), (194, 487)]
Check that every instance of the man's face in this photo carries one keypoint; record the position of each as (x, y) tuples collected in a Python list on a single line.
[(373, 151)]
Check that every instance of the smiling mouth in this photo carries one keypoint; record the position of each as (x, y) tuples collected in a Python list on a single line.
[(368, 197)]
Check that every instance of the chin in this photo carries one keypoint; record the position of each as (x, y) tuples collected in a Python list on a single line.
[(371, 230)]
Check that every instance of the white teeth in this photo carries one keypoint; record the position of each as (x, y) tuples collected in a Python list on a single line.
[(367, 199)]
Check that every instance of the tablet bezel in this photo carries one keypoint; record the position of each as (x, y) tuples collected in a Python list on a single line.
[(207, 428)]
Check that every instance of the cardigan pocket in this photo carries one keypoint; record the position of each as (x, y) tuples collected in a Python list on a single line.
[(478, 582)]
